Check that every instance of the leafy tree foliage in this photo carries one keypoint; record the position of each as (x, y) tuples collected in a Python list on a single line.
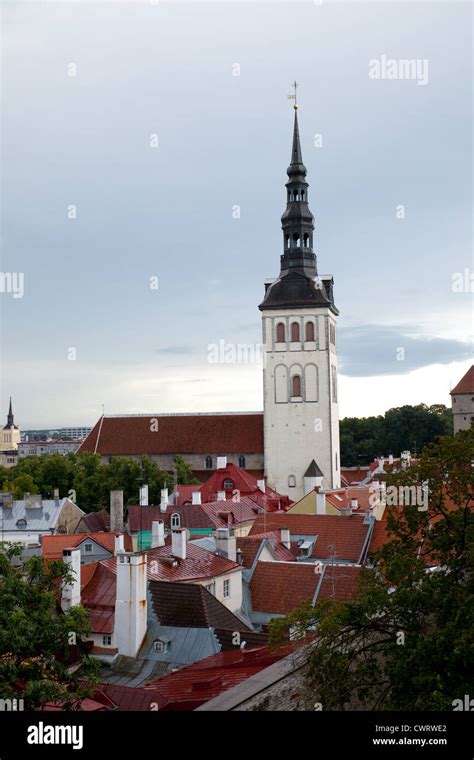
[(401, 428), (88, 481), (407, 641), (36, 636)]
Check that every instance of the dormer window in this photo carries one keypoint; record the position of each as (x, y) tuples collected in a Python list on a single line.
[(176, 520), (88, 548), (228, 484)]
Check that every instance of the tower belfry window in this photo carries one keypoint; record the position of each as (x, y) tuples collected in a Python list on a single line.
[(296, 385), (310, 331), (295, 332), (280, 332)]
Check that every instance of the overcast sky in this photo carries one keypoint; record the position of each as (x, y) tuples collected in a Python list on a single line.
[(90, 88)]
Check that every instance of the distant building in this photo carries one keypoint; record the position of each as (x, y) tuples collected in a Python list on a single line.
[(462, 399), (10, 433), (76, 433), (28, 519), (39, 448)]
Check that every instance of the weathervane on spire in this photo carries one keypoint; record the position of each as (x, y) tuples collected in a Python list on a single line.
[(295, 85)]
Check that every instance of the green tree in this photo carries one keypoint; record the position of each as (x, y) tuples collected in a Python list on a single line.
[(184, 472), (407, 641), (36, 635)]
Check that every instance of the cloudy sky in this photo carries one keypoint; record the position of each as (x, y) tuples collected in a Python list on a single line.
[(132, 131)]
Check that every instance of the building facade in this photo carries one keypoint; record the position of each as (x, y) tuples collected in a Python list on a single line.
[(301, 411), (462, 400)]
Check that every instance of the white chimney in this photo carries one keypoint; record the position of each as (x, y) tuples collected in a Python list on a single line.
[(221, 463), (390, 458), (196, 497), (261, 485), (119, 546), (178, 542), (226, 544), (164, 500), (144, 496), (56, 494), (285, 537), (130, 603), (354, 503), (320, 503), (71, 592), (116, 511), (221, 496), (157, 534)]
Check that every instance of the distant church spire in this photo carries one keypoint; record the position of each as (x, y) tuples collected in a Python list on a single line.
[(10, 421)]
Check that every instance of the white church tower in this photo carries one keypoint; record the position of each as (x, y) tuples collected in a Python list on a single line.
[(301, 412)]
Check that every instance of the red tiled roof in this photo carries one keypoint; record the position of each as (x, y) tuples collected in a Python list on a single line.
[(198, 565), (466, 384), (176, 434), (279, 587), (345, 534), (249, 546), (136, 699), (339, 582), (52, 546), (198, 683), (98, 596), (211, 515)]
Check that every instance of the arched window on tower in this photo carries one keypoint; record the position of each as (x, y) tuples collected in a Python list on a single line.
[(287, 241), (296, 385), (296, 240), (302, 195), (306, 240), (295, 332), (242, 461), (175, 520), (280, 333), (310, 331)]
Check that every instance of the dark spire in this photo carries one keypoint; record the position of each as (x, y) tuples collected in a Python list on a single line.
[(296, 166), (298, 285), (10, 420)]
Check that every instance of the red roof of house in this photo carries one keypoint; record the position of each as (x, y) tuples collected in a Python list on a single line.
[(466, 384), (340, 537), (196, 684), (280, 587), (98, 595), (213, 514), (198, 565), (249, 546), (184, 494), (136, 699), (176, 434), (52, 546)]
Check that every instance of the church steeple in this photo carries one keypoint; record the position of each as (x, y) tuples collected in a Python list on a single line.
[(297, 221), (10, 420), (298, 284)]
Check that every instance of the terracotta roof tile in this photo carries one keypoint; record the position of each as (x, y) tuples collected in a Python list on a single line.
[(279, 587), (466, 384), (338, 536), (176, 434), (52, 546)]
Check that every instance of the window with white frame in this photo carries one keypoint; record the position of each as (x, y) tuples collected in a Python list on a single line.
[(226, 588), (175, 520), (107, 640)]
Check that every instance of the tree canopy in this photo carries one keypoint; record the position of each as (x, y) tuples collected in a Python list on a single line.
[(37, 637), (88, 481), (407, 641), (399, 429)]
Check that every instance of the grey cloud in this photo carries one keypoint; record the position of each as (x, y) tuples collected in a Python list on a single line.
[(370, 350)]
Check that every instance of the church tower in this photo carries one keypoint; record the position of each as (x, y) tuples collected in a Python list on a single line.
[(10, 434), (301, 412)]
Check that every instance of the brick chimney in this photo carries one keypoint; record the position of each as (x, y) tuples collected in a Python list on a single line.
[(130, 603), (157, 534), (71, 592), (116, 511), (178, 543)]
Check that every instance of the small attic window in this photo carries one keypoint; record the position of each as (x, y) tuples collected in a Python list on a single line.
[(160, 645), (228, 484), (175, 520), (21, 523), (87, 547)]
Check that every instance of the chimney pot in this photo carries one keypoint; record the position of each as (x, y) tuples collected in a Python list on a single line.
[(157, 534), (178, 543)]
